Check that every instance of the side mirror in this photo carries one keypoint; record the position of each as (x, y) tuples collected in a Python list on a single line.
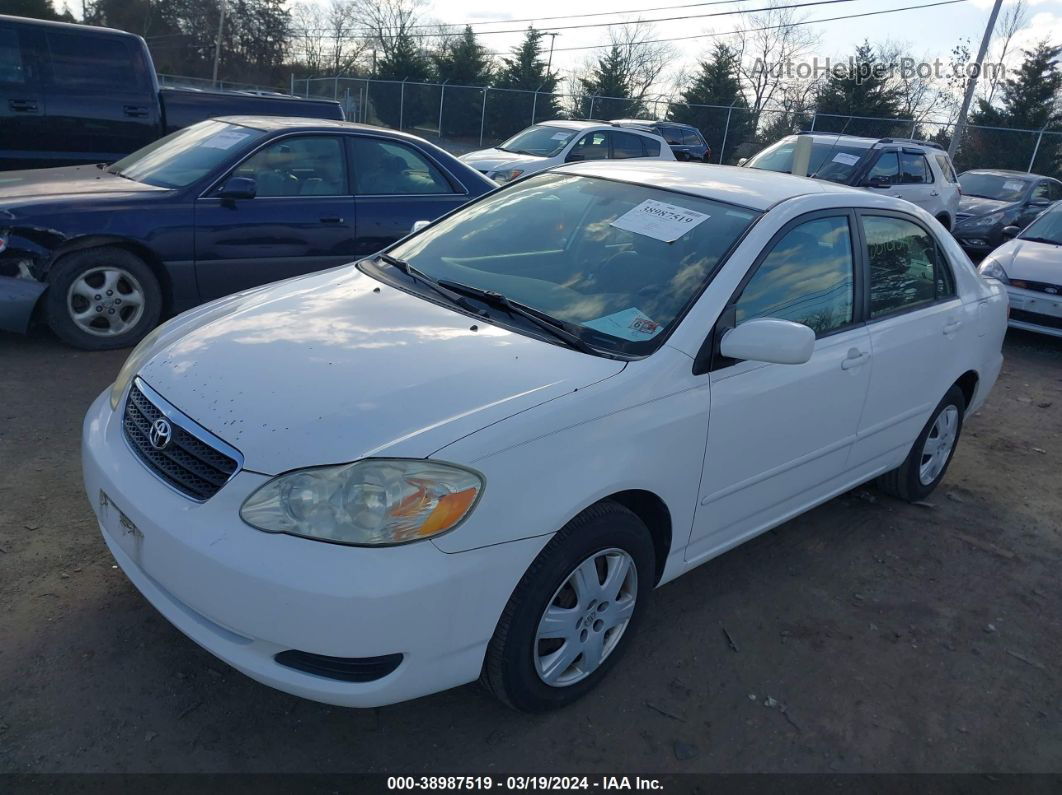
[(742, 161), (418, 225), (239, 188), (1010, 232), (878, 182), (769, 339)]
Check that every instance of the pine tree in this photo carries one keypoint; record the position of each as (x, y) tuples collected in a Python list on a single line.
[(717, 83), (409, 106), (1029, 102), (509, 112), (862, 89), (610, 86), (463, 61)]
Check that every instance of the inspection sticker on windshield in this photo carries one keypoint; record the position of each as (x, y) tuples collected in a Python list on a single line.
[(630, 324), (845, 159), (659, 220), (1013, 184), (224, 140)]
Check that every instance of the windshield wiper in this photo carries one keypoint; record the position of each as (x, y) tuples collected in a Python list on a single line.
[(420, 276), (554, 326), (1035, 239)]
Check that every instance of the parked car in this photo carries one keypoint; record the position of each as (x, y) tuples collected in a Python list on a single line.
[(83, 94), (552, 143), (1030, 265), (918, 171), (478, 452), (102, 253), (993, 199), (685, 140)]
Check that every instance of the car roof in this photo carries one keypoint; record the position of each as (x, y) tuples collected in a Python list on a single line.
[(299, 123), (749, 187), (647, 122), (68, 26), (1005, 172)]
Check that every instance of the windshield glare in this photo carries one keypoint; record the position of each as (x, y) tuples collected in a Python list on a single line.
[(829, 161), (1047, 226), (554, 242), (187, 155), (540, 140), (993, 186)]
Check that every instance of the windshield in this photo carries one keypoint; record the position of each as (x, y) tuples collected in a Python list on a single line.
[(1047, 227), (540, 140), (993, 186), (620, 263), (829, 161), (187, 155)]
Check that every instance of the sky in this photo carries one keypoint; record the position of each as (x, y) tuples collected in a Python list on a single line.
[(929, 32)]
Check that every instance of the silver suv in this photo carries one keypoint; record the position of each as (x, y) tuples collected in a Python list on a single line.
[(918, 171)]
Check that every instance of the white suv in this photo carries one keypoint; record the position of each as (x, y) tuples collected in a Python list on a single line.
[(552, 143), (918, 171)]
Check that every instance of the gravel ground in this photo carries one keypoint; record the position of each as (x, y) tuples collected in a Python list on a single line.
[(868, 635)]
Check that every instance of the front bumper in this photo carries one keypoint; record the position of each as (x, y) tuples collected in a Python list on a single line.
[(18, 297), (1033, 310), (245, 596)]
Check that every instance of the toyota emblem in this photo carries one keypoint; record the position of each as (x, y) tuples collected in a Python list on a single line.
[(161, 434)]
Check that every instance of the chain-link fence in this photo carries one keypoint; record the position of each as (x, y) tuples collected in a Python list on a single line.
[(469, 117)]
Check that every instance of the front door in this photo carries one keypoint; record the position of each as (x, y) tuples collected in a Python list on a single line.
[(300, 220), (779, 435)]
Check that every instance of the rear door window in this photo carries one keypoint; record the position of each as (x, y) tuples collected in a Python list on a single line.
[(92, 63), (389, 168), (651, 146), (626, 145), (691, 138), (907, 269), (914, 170), (673, 135), (592, 146), (14, 65)]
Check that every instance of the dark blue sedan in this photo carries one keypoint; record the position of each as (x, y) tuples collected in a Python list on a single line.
[(103, 252)]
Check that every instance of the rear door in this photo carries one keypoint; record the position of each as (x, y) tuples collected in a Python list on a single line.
[(917, 183), (626, 145), (300, 220), (395, 185), (21, 101), (102, 101)]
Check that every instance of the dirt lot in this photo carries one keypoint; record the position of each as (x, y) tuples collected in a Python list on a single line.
[(869, 635)]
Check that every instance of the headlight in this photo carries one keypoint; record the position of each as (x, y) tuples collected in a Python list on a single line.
[(508, 175), (141, 353), (991, 269), (983, 221), (370, 502)]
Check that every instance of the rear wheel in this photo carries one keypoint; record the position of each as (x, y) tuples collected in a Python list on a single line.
[(573, 612), (102, 298), (924, 468)]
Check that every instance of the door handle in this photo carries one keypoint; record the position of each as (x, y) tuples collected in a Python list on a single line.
[(331, 219), (951, 327), (933, 193), (855, 358), (136, 111), (22, 105)]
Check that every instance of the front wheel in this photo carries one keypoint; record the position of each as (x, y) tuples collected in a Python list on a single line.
[(924, 468), (102, 298), (573, 612)]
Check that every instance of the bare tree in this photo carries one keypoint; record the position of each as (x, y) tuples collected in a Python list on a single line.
[(768, 43), (1013, 20), (388, 21), (922, 94), (327, 38), (644, 59)]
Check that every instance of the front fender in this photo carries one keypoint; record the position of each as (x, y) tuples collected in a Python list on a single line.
[(18, 298)]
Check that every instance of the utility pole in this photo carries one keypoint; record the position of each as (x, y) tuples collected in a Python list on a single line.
[(552, 40), (971, 82), (217, 44)]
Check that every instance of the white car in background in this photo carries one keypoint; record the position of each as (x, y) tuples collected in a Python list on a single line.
[(553, 143), (1030, 265), (476, 453), (917, 171)]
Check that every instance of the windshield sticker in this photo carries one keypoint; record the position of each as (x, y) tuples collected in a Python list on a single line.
[(845, 159), (225, 140), (1013, 184), (561, 136), (659, 220), (630, 324)]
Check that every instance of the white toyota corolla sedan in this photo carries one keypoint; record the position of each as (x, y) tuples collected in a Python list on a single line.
[(476, 454)]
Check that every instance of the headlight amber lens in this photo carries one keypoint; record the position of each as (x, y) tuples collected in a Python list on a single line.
[(370, 502)]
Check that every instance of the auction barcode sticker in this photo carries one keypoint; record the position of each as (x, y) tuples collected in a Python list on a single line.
[(845, 159), (659, 220), (225, 139)]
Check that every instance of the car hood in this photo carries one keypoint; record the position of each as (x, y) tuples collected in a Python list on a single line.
[(336, 366), (21, 187), (974, 205), (1031, 260), (492, 159)]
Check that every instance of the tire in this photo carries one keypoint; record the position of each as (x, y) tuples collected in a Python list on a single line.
[(944, 221), (910, 481), (82, 313), (608, 534)]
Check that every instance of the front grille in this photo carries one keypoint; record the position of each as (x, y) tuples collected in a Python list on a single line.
[(1040, 287), (345, 669), (189, 464), (1036, 318)]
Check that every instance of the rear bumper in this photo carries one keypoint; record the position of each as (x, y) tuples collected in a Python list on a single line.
[(18, 298)]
